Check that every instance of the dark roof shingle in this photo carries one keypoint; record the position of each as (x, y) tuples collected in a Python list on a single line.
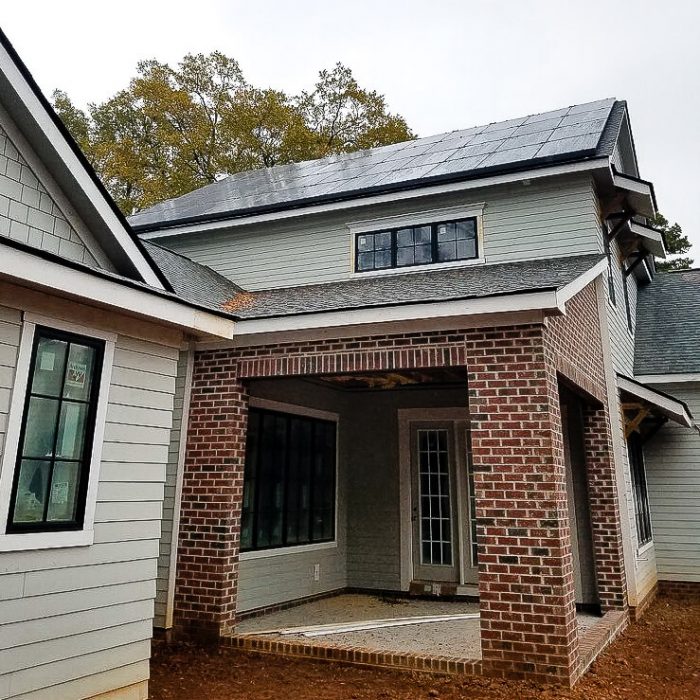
[(415, 287), (668, 325), (190, 280), (576, 132)]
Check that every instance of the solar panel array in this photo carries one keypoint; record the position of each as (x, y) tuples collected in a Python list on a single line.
[(548, 136)]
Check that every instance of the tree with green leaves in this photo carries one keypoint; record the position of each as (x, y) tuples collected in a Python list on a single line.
[(173, 130), (676, 245)]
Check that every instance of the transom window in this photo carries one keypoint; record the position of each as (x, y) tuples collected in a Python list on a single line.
[(426, 244), (53, 459), (289, 486)]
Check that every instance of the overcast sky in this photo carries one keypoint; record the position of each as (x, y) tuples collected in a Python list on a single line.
[(441, 64)]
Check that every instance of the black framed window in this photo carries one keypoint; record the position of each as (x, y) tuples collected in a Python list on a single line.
[(639, 488), (289, 485), (53, 458), (439, 242)]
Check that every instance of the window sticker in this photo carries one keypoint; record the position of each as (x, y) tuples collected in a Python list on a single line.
[(59, 493), (77, 372), (47, 361)]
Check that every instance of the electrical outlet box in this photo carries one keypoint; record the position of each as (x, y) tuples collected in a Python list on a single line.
[(317, 572)]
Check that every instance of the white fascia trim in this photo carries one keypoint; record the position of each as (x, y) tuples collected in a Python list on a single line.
[(54, 277), (653, 239), (25, 93), (574, 287), (383, 314), (16, 542), (672, 408), (296, 409), (429, 191), (641, 194), (679, 378)]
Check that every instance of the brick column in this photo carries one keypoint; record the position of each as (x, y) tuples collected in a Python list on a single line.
[(212, 492), (604, 509), (526, 586)]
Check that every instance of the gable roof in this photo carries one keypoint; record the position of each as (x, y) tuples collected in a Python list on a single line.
[(667, 337), (570, 134), (49, 137)]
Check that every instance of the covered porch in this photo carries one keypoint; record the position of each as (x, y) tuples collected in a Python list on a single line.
[(471, 463)]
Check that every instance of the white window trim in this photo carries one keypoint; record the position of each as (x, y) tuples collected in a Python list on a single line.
[(419, 218), (15, 542), (282, 407)]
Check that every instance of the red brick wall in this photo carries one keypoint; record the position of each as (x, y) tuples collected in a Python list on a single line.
[(212, 490), (526, 587), (575, 348)]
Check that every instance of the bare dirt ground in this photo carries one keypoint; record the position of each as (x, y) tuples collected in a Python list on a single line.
[(656, 659)]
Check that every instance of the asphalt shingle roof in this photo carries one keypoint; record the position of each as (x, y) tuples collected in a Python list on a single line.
[(190, 280), (571, 133), (200, 284), (668, 324)]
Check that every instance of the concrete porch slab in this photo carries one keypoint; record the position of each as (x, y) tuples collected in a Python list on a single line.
[(455, 640)]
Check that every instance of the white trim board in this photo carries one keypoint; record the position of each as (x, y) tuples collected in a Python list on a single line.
[(50, 540), (670, 407), (25, 267), (31, 103), (429, 191), (679, 378), (179, 480)]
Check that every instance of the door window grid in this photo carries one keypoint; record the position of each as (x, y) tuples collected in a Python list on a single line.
[(434, 497)]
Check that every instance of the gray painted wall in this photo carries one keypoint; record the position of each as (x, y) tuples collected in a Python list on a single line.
[(76, 622), (545, 218), (672, 460)]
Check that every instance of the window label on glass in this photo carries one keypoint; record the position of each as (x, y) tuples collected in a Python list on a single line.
[(48, 360), (59, 493), (77, 371)]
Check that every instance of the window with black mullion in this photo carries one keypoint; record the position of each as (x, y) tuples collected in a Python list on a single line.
[(51, 472), (289, 484)]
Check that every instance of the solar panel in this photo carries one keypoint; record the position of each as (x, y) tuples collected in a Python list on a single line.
[(562, 133)]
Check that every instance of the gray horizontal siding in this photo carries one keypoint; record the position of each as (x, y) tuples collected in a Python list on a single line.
[(76, 622), (673, 474), (546, 218)]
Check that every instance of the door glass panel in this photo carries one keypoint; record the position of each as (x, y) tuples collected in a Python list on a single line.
[(81, 359), (435, 499)]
